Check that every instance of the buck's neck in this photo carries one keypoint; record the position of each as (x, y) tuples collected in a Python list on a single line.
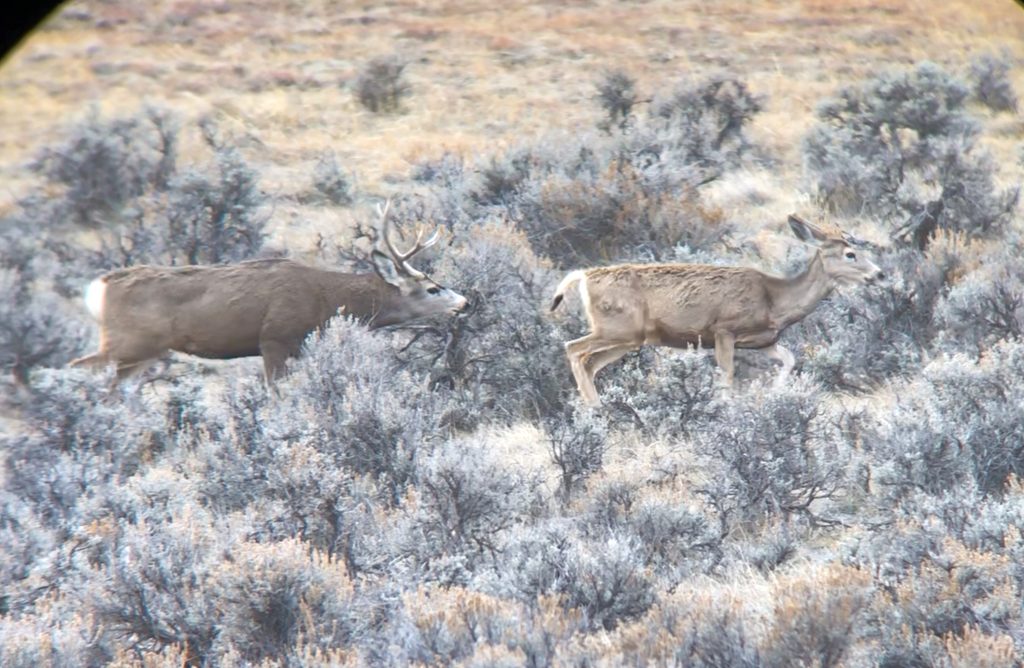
[(795, 297), (367, 296)]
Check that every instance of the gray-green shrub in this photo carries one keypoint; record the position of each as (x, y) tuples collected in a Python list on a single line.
[(903, 147)]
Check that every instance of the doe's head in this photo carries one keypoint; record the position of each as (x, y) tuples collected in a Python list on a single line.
[(844, 258)]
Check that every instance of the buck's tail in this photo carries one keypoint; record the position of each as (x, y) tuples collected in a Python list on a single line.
[(572, 277)]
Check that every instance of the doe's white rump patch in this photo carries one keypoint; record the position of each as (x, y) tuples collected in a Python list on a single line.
[(585, 297), (95, 295)]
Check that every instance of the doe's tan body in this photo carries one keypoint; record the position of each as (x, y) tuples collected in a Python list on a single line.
[(680, 305)]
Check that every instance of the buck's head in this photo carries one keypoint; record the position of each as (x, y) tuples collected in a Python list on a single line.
[(420, 296), (844, 259)]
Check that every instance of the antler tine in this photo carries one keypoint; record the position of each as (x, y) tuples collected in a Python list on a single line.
[(415, 244), (432, 240), (401, 259), (385, 230), (417, 247), (419, 244)]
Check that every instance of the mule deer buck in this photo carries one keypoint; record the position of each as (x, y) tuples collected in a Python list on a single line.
[(259, 307), (680, 305)]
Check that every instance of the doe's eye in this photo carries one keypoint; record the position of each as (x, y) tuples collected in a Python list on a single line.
[(433, 291), (850, 255)]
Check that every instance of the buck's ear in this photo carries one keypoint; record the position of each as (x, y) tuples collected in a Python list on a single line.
[(386, 269), (804, 231)]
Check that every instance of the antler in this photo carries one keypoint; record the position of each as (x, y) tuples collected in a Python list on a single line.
[(401, 259)]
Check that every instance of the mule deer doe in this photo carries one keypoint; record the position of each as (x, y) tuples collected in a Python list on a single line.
[(259, 307), (680, 305)]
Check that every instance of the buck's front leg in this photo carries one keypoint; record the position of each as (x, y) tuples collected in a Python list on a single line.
[(275, 358), (725, 353)]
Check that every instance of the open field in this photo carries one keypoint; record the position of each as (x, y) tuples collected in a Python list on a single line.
[(279, 75), (436, 493)]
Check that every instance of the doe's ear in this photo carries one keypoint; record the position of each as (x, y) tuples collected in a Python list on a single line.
[(804, 231), (385, 268)]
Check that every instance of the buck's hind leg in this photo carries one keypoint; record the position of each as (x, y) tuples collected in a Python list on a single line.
[(129, 369), (94, 361), (126, 370)]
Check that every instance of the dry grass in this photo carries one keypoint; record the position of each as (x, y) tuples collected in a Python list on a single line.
[(483, 76)]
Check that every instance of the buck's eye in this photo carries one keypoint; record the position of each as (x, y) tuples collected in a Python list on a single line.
[(433, 291), (850, 255)]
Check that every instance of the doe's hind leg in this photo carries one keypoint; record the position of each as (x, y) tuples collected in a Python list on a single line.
[(596, 351), (600, 360)]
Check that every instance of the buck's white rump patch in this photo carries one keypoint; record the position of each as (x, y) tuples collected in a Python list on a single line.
[(95, 296)]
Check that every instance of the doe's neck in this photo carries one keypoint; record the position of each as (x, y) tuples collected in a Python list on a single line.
[(795, 297)]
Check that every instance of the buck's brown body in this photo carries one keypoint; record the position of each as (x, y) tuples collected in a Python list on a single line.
[(724, 308), (260, 307), (232, 310)]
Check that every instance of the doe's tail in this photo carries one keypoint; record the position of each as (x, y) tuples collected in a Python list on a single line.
[(567, 282)]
